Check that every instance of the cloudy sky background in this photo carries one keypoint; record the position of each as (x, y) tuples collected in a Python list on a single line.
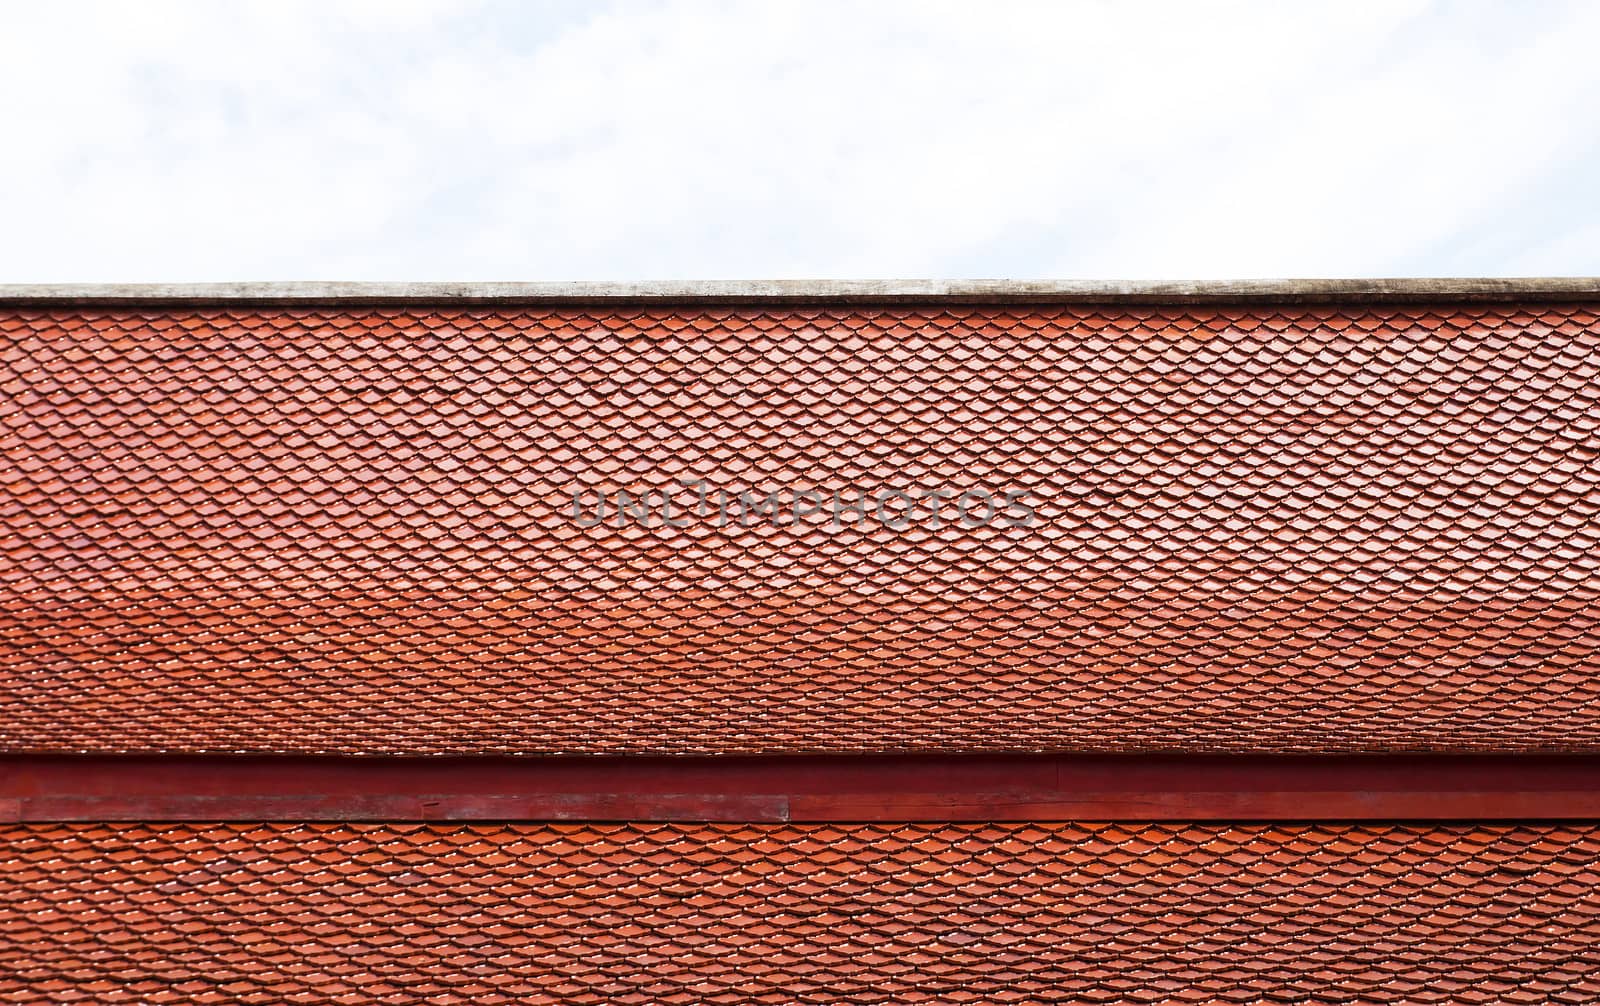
[(687, 139)]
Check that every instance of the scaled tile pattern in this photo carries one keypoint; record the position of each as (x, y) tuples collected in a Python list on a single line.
[(1254, 529), (412, 914)]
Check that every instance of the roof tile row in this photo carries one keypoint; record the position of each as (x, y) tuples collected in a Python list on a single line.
[(487, 914)]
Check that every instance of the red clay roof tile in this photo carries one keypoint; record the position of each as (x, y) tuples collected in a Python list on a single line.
[(1295, 529), (782, 913)]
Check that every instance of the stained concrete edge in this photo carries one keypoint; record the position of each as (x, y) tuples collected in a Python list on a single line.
[(810, 291)]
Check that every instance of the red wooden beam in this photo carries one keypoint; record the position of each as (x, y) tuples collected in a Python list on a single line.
[(789, 788)]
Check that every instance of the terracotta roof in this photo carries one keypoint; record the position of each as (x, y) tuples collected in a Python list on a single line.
[(1261, 527), (790, 914)]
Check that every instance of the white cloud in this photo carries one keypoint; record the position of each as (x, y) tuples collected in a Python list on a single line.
[(689, 139)]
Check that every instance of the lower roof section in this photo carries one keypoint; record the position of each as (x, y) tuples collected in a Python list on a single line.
[(665, 913)]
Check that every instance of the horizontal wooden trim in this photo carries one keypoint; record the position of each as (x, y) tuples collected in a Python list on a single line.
[(858, 291), (800, 788)]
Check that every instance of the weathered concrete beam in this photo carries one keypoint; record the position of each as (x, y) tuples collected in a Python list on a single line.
[(1297, 291)]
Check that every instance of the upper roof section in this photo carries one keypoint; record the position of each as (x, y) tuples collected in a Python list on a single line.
[(1245, 525)]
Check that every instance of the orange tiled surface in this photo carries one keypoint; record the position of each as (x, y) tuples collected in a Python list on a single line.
[(786, 914), (1261, 529)]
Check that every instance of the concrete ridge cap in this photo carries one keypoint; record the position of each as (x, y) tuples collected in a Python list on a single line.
[(808, 291)]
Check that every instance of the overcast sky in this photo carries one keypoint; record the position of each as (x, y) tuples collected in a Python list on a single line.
[(639, 140)]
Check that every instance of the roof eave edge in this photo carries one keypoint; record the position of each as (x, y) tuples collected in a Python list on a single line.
[(810, 291)]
